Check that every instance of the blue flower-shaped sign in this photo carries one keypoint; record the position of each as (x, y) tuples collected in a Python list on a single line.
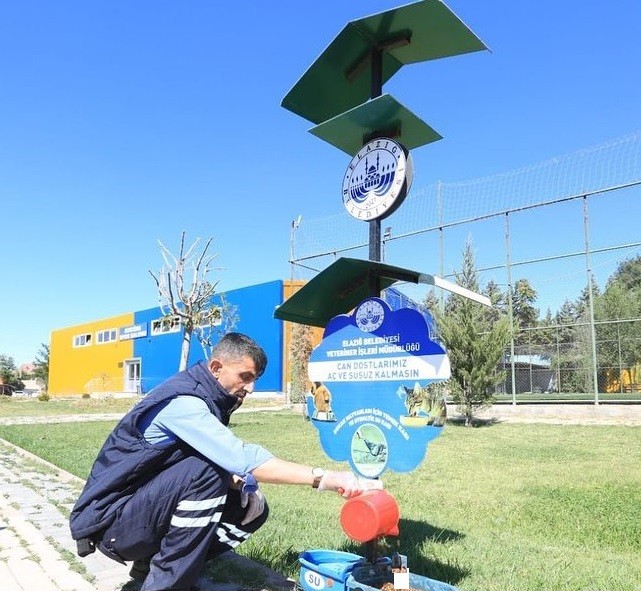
[(377, 397)]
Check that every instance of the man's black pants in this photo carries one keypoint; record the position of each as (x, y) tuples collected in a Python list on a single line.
[(180, 518)]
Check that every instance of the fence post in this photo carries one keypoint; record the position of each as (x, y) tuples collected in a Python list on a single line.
[(510, 311), (586, 232), (558, 357), (441, 239)]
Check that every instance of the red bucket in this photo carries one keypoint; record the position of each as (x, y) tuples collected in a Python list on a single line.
[(370, 515)]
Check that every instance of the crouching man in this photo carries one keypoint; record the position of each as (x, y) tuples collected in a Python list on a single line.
[(173, 487)]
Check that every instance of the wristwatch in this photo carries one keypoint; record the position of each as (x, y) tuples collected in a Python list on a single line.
[(318, 474)]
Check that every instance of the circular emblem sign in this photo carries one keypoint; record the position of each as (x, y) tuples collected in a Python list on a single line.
[(369, 315), (377, 179)]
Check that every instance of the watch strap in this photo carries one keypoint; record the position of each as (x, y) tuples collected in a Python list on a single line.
[(318, 474)]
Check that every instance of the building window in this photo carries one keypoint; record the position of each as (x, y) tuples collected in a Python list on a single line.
[(211, 317), (106, 336), (165, 325), (82, 340)]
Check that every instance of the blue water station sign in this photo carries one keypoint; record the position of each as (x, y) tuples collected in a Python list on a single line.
[(377, 396)]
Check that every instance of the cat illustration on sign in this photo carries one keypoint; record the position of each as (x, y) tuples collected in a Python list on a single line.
[(425, 405)]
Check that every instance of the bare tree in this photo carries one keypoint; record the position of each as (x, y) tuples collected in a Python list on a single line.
[(225, 319), (300, 350), (185, 294)]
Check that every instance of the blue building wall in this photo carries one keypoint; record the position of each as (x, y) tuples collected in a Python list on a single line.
[(255, 310), (160, 354)]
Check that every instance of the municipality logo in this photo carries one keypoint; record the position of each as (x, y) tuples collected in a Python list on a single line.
[(377, 179), (370, 315)]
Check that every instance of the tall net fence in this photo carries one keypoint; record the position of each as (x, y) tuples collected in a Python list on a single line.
[(560, 359), (564, 225)]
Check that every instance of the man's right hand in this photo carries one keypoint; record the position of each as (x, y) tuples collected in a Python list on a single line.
[(347, 484), (255, 503)]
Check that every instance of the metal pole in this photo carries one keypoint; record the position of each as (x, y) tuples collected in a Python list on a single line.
[(289, 329), (376, 89), (586, 231), (386, 236), (558, 360), (529, 352), (441, 239), (375, 240), (292, 233), (620, 361), (509, 303)]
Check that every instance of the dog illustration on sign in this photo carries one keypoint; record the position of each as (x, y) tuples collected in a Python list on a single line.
[(322, 402), (425, 404)]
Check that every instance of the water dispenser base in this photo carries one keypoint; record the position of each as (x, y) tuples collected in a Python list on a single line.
[(333, 570)]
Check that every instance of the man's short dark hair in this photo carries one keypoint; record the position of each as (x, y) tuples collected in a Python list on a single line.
[(235, 345)]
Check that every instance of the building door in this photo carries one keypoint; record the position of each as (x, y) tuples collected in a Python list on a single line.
[(132, 376)]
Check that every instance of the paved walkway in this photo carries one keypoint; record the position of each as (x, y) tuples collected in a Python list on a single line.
[(38, 554), (36, 549), (562, 414)]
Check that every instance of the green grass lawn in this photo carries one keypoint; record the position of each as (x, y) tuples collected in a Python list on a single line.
[(503, 507), (11, 406)]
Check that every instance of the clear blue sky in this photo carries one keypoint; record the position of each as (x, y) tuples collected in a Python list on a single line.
[(124, 122)]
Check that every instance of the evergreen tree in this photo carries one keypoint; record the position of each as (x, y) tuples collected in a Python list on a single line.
[(617, 329), (41, 369), (523, 298), (497, 297), (475, 340), (574, 343), (545, 336), (524, 313), (628, 274), (9, 373)]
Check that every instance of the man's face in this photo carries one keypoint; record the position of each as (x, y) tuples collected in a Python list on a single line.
[(237, 376)]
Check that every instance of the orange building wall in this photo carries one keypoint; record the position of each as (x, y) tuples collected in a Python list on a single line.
[(91, 369)]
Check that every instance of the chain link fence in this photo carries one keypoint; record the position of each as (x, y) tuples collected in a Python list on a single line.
[(557, 362), (562, 227)]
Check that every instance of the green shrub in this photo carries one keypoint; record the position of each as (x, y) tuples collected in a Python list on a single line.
[(44, 397)]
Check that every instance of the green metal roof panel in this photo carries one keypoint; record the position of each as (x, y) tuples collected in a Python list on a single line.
[(324, 89), (338, 289), (350, 130), (339, 79), (436, 32)]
